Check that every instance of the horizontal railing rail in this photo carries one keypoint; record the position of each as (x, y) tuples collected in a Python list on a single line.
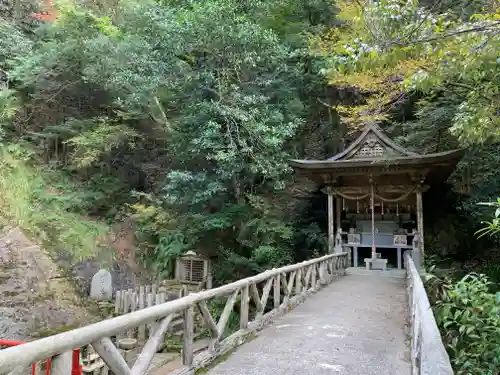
[(287, 285), (428, 354)]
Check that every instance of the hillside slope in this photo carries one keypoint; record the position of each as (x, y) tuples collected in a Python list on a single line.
[(37, 299)]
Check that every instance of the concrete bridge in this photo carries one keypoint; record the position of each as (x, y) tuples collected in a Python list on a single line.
[(318, 316)]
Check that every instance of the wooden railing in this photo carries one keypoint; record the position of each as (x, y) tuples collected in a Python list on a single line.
[(288, 286), (428, 354)]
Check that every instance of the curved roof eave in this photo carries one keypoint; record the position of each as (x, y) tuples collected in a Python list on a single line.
[(372, 127), (445, 156)]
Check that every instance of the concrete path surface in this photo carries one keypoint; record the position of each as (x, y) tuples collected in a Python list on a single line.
[(353, 326)]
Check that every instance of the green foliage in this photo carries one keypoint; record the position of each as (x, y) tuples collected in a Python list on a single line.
[(468, 314), (216, 308), (214, 109), (240, 145), (170, 246), (399, 41), (102, 138), (492, 227), (13, 43), (9, 106), (311, 241), (29, 200), (493, 273), (191, 134), (225, 92)]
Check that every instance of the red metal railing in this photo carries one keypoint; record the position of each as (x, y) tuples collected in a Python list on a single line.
[(76, 367)]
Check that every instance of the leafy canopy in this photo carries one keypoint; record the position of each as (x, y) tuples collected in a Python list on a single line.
[(214, 110), (391, 48)]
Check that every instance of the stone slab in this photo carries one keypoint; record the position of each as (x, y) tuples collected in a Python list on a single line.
[(376, 264), (362, 271)]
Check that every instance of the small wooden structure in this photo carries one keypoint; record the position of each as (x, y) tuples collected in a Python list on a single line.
[(378, 188), (193, 268)]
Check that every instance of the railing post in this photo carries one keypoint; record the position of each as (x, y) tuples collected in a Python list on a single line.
[(322, 273), (209, 282), (330, 270), (61, 364), (277, 291), (313, 277), (298, 282), (415, 254), (187, 349), (244, 307)]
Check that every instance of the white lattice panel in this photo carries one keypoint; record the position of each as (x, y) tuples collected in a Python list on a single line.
[(368, 151), (400, 239), (353, 238), (193, 270)]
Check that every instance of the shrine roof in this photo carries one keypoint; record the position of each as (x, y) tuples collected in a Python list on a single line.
[(374, 149)]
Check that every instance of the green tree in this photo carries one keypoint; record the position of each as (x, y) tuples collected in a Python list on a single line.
[(208, 118), (400, 48)]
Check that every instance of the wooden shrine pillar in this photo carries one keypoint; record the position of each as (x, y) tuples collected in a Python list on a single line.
[(338, 204), (420, 222), (338, 237), (331, 228)]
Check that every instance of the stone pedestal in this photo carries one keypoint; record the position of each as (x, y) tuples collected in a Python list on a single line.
[(128, 349), (376, 264)]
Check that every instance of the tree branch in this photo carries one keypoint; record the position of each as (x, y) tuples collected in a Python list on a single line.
[(447, 35), (415, 29)]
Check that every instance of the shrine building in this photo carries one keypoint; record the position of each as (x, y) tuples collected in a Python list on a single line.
[(378, 188)]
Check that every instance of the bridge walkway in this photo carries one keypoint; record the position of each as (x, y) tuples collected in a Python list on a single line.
[(356, 325)]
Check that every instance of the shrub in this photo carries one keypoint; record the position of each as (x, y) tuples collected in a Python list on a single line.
[(468, 314)]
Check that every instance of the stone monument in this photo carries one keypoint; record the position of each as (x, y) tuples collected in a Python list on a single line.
[(101, 288)]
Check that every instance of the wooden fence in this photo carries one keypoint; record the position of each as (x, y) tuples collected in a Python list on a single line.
[(140, 297), (144, 296), (130, 300), (287, 287)]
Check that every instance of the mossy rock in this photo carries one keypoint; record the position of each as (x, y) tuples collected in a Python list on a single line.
[(215, 362), (10, 293)]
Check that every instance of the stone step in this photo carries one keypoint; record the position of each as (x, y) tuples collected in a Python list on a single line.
[(362, 271)]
